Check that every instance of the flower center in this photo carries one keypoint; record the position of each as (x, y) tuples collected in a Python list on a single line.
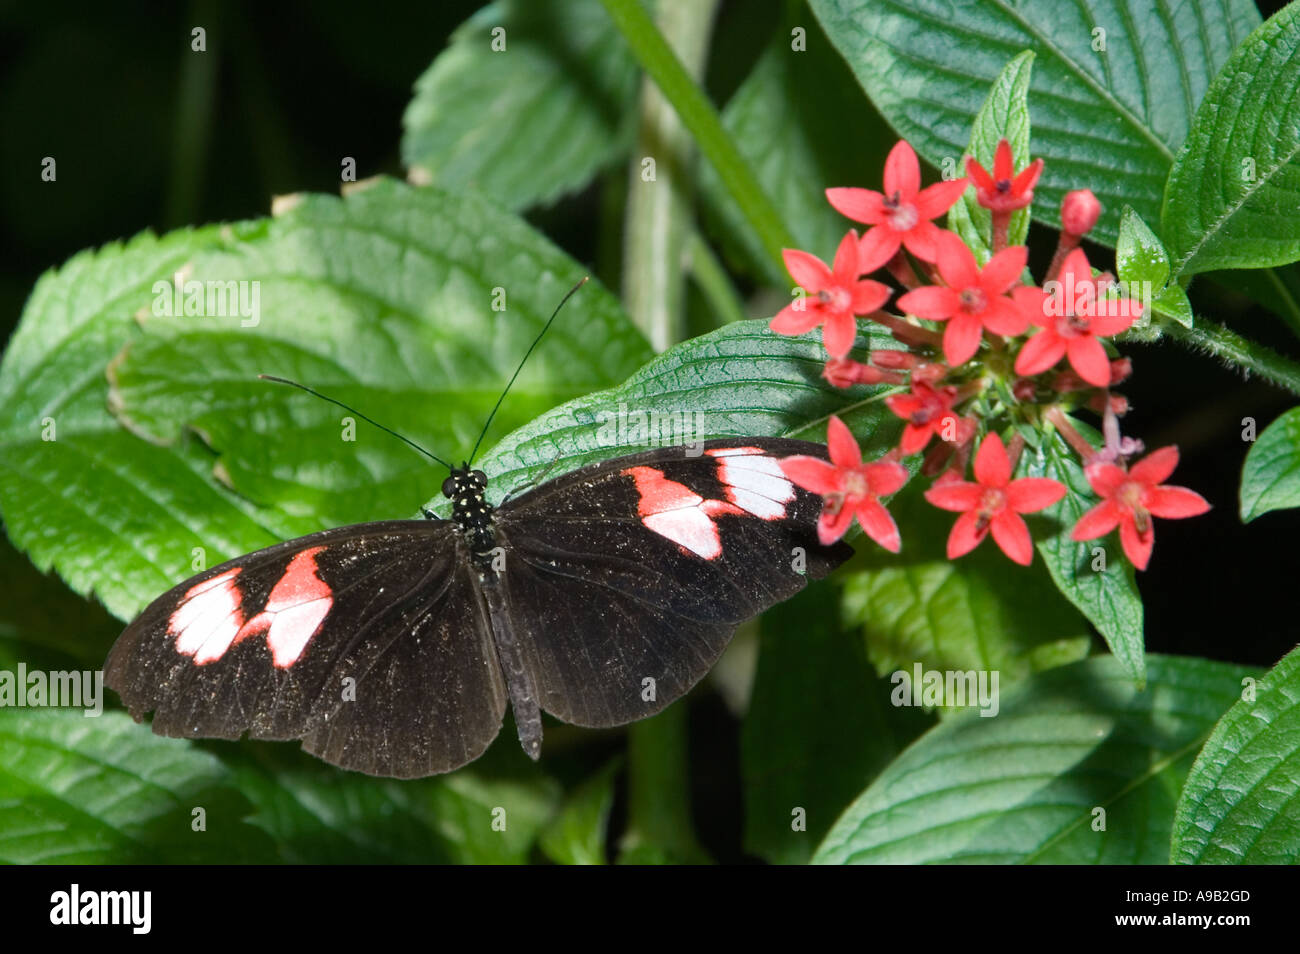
[(1072, 326), (902, 215), (973, 300), (837, 299), (856, 484), (1003, 186)]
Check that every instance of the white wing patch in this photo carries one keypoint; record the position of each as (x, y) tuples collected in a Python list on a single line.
[(754, 481)]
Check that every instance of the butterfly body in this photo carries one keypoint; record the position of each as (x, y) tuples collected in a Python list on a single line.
[(392, 648)]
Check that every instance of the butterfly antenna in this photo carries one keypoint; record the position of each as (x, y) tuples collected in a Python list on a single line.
[(346, 407), (536, 342)]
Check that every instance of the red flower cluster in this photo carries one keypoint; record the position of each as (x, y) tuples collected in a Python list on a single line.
[(982, 350)]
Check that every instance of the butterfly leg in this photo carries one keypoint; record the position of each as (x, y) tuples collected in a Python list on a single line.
[(523, 695)]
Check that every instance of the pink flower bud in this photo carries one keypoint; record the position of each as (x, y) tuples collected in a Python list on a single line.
[(1079, 212), (893, 359)]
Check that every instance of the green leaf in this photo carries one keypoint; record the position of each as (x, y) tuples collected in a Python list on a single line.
[(489, 814), (79, 790), (1141, 261), (981, 612), (800, 122), (1107, 121), (1107, 595), (1241, 803), (577, 835), (1270, 477), (1232, 194), (1004, 115), (384, 300), (530, 122), (818, 729), (742, 379), (1025, 786)]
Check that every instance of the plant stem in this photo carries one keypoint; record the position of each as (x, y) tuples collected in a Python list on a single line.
[(699, 116), (1216, 340)]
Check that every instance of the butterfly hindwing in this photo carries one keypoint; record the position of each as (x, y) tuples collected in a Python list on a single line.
[(626, 579), (370, 642)]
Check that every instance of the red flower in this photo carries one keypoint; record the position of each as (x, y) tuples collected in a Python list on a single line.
[(849, 488), (902, 214), (996, 502), (1004, 191), (974, 298), (1080, 211), (1132, 498), (845, 372), (928, 412), (1073, 314), (835, 295)]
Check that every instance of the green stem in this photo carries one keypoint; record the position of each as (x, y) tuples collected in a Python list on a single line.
[(1230, 347), (699, 116), (659, 830), (714, 283)]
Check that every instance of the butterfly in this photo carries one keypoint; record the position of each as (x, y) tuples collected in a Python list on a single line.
[(392, 648)]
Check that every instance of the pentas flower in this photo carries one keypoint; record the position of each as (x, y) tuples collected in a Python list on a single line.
[(1132, 498), (994, 502), (1004, 191), (974, 298), (901, 214), (1072, 314), (849, 488), (835, 295), (928, 411), (845, 372)]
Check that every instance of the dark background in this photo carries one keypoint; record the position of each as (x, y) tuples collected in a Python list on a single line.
[(287, 89)]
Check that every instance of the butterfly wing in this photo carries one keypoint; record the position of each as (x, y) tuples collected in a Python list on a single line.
[(371, 643), (626, 580)]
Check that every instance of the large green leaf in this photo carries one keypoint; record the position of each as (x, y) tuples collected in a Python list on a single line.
[(1241, 803), (1004, 115), (1232, 195), (1102, 584), (803, 126), (739, 380), (981, 612), (385, 299), (1109, 121), (1270, 477), (818, 729), (1026, 785), (84, 790), (530, 122)]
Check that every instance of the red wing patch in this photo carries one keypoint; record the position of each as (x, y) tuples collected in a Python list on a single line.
[(675, 511), (754, 481), (210, 619)]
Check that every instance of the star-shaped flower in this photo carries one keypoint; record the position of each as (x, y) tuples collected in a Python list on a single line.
[(835, 296), (973, 299), (901, 214), (849, 488), (995, 502), (1132, 498), (928, 411), (1004, 191)]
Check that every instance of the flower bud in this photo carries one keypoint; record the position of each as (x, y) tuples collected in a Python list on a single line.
[(1080, 211)]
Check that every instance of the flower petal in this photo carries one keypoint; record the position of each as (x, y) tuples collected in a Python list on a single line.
[(869, 296), (961, 339), (833, 523), (812, 474), (1137, 546), (1113, 316), (1030, 494), (902, 171), (1088, 357), (920, 241), (915, 438), (1156, 467), (843, 448), (904, 405), (838, 334), (956, 262), (1105, 479), (954, 495), (1004, 269), (844, 269), (1011, 534), (879, 525), (1043, 349), (965, 537), (1002, 316), (808, 271), (796, 318), (886, 477), (861, 205), (1003, 167), (1174, 502), (979, 175), (1098, 521), (1033, 301), (1027, 178), (992, 466), (932, 302), (1075, 273), (933, 201)]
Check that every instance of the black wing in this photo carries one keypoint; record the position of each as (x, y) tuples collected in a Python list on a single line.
[(371, 643), (625, 580)]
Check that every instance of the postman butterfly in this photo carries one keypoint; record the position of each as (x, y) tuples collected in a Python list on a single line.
[(392, 648)]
